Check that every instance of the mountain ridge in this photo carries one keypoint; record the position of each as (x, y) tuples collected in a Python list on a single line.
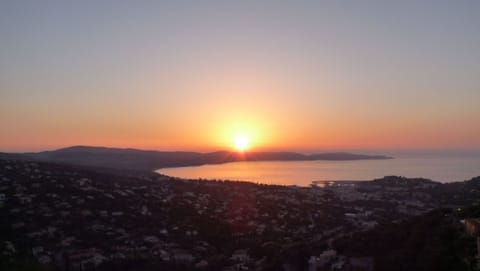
[(128, 158)]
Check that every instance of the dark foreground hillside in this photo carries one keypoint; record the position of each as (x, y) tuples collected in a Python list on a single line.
[(433, 241), (60, 217)]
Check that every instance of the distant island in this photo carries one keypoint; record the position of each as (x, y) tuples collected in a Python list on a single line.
[(151, 160)]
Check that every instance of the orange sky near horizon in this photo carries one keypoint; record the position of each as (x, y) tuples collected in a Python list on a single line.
[(207, 116), (218, 128)]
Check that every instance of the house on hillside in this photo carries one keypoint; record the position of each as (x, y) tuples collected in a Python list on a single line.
[(472, 226)]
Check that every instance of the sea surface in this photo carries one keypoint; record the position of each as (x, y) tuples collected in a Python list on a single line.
[(441, 167)]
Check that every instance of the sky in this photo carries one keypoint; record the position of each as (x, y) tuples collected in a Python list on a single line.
[(195, 75)]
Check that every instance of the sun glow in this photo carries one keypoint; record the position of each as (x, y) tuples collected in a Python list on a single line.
[(241, 143), (240, 132)]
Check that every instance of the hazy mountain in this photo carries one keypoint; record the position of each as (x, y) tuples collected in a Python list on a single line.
[(150, 160)]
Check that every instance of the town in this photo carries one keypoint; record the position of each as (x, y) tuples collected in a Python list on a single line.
[(65, 217)]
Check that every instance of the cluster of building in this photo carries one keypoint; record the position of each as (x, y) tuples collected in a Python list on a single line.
[(331, 260), (75, 218)]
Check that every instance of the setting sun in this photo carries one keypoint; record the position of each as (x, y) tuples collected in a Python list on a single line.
[(241, 143)]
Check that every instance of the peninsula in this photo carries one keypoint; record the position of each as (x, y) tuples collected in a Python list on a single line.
[(135, 159)]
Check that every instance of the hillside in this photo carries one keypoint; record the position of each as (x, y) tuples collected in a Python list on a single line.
[(64, 217), (151, 160)]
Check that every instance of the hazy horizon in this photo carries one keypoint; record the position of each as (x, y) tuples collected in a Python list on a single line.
[(379, 151), (203, 76)]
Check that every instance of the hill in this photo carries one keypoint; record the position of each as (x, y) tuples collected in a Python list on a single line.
[(64, 217), (151, 160)]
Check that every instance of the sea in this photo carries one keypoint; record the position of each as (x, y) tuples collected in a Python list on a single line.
[(437, 166)]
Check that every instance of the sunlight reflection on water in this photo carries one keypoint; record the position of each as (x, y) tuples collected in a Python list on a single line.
[(437, 168)]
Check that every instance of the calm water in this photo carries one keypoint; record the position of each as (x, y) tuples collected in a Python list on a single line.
[(442, 168)]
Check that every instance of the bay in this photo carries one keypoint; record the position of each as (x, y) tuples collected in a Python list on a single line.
[(437, 167)]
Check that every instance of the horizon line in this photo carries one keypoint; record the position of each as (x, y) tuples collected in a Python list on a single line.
[(258, 149)]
